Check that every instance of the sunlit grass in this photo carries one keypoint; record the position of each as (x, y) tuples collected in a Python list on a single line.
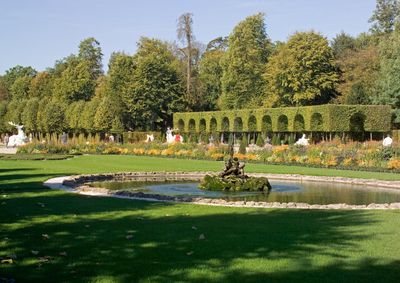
[(94, 239)]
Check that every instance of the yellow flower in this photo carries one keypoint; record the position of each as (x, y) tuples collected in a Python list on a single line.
[(394, 164)]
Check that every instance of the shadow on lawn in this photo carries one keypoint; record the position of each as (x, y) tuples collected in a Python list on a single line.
[(131, 241)]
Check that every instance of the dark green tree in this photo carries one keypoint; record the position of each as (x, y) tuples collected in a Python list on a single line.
[(210, 74), (76, 82), (53, 117), (341, 43), (29, 115), (108, 115), (388, 83), (243, 64), (16, 72), (90, 51), (157, 91), (41, 85), (20, 88), (301, 72), (88, 115)]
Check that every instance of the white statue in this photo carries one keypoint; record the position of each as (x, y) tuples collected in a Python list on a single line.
[(302, 141), (387, 141), (173, 138), (18, 139), (149, 138)]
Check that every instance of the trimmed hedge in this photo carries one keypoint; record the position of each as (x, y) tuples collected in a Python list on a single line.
[(321, 118), (135, 137)]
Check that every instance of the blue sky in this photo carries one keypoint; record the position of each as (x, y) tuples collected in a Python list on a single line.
[(37, 33)]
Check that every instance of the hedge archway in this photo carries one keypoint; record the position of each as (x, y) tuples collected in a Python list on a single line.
[(317, 122), (225, 124), (202, 126), (356, 126), (298, 125), (266, 125), (252, 124), (192, 126), (213, 125), (282, 123), (238, 124), (181, 125)]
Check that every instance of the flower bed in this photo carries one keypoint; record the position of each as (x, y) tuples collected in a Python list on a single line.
[(359, 156)]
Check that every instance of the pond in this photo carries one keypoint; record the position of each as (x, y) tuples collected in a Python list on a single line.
[(282, 191)]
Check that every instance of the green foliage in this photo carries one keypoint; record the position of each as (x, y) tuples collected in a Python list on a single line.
[(90, 51), (73, 116), (301, 72), (385, 16), (322, 118), (16, 72), (342, 43), (14, 111), (108, 115), (243, 64), (157, 89), (359, 73), (210, 74), (41, 85), (136, 137), (388, 84), (260, 140), (120, 83), (53, 117), (20, 88), (243, 145), (233, 183), (29, 115), (88, 115), (76, 82)]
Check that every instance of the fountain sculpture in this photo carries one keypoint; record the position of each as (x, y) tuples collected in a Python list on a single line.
[(233, 178)]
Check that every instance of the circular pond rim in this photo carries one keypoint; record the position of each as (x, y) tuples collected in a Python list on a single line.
[(78, 184)]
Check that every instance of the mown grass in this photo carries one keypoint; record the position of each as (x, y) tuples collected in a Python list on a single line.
[(92, 239)]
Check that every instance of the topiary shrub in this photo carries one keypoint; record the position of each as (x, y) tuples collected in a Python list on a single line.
[(260, 140), (243, 145)]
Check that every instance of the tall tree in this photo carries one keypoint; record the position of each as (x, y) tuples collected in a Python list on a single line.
[(210, 74), (185, 35), (359, 71), (88, 115), (301, 72), (157, 91), (388, 83), (108, 114), (90, 50), (243, 64), (385, 16), (29, 114), (53, 117)]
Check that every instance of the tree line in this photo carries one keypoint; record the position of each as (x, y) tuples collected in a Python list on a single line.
[(243, 70)]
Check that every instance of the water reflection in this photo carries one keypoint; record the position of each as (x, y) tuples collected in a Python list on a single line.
[(306, 192)]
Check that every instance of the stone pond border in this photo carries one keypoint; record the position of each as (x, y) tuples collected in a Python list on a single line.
[(77, 184)]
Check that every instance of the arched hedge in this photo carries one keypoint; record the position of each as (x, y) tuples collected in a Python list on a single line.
[(322, 118)]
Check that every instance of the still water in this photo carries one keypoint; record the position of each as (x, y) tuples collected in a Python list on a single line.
[(306, 192)]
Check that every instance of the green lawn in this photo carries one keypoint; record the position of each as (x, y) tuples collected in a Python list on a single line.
[(116, 240)]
